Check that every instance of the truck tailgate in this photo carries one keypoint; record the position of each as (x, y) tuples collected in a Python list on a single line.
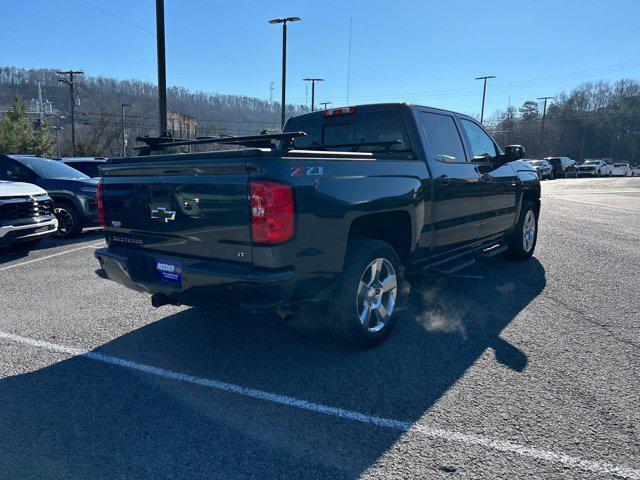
[(199, 209)]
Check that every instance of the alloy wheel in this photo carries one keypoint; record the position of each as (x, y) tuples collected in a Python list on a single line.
[(65, 221), (376, 297), (529, 231)]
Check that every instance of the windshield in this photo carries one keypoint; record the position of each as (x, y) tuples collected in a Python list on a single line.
[(536, 163), (619, 164), (353, 129), (591, 162), (46, 168)]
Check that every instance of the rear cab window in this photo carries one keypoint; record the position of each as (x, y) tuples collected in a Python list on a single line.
[(354, 132)]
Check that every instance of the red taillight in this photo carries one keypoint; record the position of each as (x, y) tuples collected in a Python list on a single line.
[(271, 212), (334, 112), (103, 222)]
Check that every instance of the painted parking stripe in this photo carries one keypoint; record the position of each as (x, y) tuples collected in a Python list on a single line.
[(93, 245), (595, 466)]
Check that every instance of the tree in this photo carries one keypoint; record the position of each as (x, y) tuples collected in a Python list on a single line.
[(529, 110), (88, 149), (19, 135)]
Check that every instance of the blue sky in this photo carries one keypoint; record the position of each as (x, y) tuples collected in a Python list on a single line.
[(405, 50)]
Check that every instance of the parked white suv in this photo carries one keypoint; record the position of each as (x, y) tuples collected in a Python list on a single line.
[(26, 214), (622, 169), (595, 168)]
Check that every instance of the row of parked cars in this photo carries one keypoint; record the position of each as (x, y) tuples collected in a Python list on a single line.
[(554, 167), (41, 197)]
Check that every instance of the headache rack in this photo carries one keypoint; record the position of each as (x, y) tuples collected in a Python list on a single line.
[(263, 140)]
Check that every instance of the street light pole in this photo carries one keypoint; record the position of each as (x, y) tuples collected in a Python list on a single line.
[(284, 22), (313, 90), (162, 68), (484, 94), (124, 135)]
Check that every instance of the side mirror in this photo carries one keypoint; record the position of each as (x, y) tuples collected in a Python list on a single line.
[(514, 152)]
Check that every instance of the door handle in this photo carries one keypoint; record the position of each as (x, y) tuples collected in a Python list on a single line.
[(443, 179), (485, 177)]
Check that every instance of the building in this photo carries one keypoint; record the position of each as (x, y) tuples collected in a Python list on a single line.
[(181, 125)]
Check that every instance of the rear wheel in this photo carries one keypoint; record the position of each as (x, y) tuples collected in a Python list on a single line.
[(362, 312), (523, 239), (69, 224)]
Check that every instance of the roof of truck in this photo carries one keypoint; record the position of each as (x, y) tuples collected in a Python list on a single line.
[(370, 106)]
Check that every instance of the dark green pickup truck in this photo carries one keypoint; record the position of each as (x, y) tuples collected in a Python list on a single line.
[(334, 215)]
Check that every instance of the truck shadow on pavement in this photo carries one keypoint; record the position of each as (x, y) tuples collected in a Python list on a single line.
[(11, 253), (83, 419)]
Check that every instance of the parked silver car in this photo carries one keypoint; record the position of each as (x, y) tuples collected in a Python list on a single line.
[(543, 167)]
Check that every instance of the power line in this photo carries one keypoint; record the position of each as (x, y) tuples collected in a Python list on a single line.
[(510, 86), (117, 17)]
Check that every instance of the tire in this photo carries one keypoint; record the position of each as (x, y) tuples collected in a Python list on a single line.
[(522, 241), (69, 224), (598, 174), (369, 288)]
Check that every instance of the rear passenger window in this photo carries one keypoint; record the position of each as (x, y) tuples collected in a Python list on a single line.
[(481, 144), (444, 140)]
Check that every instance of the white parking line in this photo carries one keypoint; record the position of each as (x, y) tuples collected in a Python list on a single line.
[(595, 466), (51, 256)]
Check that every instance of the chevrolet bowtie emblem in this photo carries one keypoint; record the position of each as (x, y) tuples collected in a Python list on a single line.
[(161, 213)]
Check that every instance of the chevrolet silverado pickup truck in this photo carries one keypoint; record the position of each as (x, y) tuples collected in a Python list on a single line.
[(334, 212)]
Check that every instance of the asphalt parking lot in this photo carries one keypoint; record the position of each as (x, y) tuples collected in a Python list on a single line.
[(509, 370)]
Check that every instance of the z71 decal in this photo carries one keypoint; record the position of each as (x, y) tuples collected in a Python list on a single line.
[(308, 171)]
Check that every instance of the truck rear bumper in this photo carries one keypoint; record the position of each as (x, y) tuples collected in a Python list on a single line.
[(202, 283)]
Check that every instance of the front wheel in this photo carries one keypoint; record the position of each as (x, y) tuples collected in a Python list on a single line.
[(69, 224), (522, 241), (362, 312)]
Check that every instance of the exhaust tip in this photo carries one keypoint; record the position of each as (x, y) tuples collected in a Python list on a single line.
[(158, 300)]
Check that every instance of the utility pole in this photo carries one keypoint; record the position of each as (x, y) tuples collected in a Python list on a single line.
[(283, 21), (325, 104), (124, 134), (484, 94), (162, 69), (544, 112), (584, 134), (313, 90), (57, 129), (72, 92), (271, 92)]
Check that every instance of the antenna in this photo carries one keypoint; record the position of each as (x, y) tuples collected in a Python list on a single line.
[(349, 60)]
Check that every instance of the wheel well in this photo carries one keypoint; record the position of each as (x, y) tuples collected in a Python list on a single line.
[(391, 227), (57, 200), (532, 196)]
